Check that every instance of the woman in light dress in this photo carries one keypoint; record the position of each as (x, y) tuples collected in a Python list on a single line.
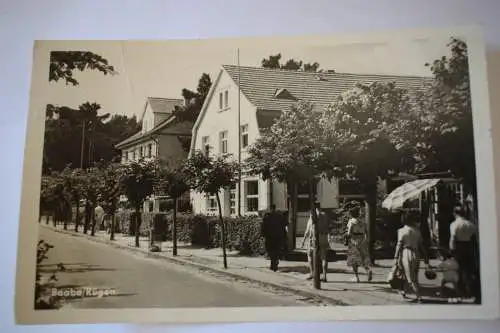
[(358, 245), (409, 250)]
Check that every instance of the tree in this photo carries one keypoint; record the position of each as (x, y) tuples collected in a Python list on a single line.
[(195, 100), (173, 181), (365, 119), (64, 128), (447, 140), (91, 178), (209, 175), (109, 190), (64, 63), (73, 184), (273, 62), (296, 149), (292, 65), (137, 181)]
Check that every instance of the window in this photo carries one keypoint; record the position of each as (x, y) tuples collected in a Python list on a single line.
[(205, 145), (252, 195), (211, 203), (150, 150), (232, 199), (226, 98), (303, 203), (220, 101), (223, 142), (244, 136), (141, 152), (133, 155), (124, 156)]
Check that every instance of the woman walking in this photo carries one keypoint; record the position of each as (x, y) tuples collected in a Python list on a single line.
[(409, 250), (358, 245)]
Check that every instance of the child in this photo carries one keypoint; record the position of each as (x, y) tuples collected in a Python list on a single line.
[(449, 281)]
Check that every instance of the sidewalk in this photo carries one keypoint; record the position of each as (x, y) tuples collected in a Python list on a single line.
[(291, 276)]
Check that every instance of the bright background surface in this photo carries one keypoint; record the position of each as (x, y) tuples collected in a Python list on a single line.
[(22, 21)]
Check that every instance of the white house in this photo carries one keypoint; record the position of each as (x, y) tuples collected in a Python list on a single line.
[(250, 99), (160, 136)]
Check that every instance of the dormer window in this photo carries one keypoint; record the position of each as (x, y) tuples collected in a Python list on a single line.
[(283, 94)]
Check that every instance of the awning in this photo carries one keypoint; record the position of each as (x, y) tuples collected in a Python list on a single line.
[(407, 191)]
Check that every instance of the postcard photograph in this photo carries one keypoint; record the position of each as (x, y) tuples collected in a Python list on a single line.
[(264, 175)]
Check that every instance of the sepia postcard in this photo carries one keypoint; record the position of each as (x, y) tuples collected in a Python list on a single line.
[(293, 178)]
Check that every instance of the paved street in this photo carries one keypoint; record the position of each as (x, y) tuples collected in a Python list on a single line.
[(142, 282)]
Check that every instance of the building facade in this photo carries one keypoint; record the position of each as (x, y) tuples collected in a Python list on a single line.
[(243, 101), (161, 136)]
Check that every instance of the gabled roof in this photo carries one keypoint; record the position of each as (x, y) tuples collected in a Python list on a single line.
[(260, 85), (150, 134), (158, 105), (164, 105)]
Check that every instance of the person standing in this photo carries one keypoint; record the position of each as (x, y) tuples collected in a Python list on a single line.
[(409, 249), (273, 230), (99, 215), (357, 240), (462, 240), (324, 245)]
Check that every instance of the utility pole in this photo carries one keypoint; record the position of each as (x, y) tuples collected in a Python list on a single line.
[(239, 137), (82, 151)]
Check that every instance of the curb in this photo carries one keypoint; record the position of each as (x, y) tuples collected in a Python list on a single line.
[(299, 292)]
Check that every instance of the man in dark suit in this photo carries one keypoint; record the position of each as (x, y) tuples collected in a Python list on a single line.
[(273, 229)]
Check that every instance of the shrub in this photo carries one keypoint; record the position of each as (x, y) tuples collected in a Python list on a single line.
[(126, 221), (244, 235)]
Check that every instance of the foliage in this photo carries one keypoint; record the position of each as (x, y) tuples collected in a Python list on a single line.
[(195, 100), (243, 233), (294, 148), (446, 139), (42, 298), (109, 187), (171, 179), (66, 128), (365, 119), (137, 180), (208, 175), (274, 62), (64, 63)]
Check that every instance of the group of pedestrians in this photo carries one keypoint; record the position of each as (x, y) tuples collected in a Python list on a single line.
[(462, 276)]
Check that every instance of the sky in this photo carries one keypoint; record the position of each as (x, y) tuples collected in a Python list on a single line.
[(164, 68)]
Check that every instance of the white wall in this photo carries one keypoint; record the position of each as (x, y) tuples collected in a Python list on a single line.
[(148, 119), (137, 148), (216, 120)]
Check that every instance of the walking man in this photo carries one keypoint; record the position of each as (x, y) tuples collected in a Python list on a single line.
[(273, 230), (462, 245), (324, 244)]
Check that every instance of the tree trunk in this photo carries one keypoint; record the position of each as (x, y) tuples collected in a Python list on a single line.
[(223, 231), (82, 151), (93, 220), (292, 214), (77, 218), (371, 215), (86, 217), (66, 215), (47, 218), (137, 225), (174, 227), (316, 257), (112, 232)]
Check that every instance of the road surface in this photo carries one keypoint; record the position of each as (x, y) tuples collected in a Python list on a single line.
[(132, 281)]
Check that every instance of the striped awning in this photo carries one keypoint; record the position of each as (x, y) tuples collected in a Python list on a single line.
[(408, 191)]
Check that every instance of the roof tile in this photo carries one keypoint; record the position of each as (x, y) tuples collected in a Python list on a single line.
[(260, 85)]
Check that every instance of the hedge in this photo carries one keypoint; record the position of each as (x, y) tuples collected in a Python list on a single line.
[(242, 233)]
